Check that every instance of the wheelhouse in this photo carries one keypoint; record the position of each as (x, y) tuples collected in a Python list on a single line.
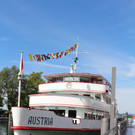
[(76, 77)]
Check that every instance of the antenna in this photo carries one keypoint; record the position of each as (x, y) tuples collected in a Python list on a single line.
[(76, 58)]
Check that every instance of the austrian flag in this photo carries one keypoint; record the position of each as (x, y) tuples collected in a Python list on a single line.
[(21, 63)]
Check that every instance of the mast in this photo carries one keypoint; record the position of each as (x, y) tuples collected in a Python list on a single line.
[(76, 58), (20, 78)]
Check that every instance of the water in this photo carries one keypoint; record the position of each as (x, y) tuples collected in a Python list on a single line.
[(130, 131), (3, 128)]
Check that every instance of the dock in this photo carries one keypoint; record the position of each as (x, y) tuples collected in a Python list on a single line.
[(113, 126), (119, 129)]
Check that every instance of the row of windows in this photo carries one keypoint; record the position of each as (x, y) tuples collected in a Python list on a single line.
[(72, 113), (97, 96), (76, 79), (93, 116)]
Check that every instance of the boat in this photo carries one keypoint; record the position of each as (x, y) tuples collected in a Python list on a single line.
[(67, 103)]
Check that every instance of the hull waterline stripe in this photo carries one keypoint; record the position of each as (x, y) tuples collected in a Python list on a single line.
[(48, 128)]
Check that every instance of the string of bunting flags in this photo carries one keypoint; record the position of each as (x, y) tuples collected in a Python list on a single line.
[(44, 57)]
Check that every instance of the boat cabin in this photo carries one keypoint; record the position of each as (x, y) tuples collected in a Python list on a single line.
[(75, 95)]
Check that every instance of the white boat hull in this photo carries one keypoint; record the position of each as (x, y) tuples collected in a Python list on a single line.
[(41, 122)]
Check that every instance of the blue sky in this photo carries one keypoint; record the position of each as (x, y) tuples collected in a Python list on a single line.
[(105, 29)]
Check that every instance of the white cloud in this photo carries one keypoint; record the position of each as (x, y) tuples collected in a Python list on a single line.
[(125, 65), (125, 99), (39, 64), (131, 73), (45, 64)]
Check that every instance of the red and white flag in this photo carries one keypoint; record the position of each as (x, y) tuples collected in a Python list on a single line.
[(21, 63)]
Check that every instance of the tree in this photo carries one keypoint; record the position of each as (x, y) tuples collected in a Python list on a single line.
[(1, 101), (30, 86), (1, 98), (9, 86)]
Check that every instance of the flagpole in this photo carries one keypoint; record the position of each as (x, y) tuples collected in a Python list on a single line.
[(19, 78), (76, 58)]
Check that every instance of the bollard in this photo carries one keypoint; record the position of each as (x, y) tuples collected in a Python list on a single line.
[(104, 125), (119, 129)]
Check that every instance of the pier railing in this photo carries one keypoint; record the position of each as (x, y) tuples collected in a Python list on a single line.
[(119, 129), (113, 131), (122, 126)]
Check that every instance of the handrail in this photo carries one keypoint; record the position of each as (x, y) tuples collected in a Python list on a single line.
[(122, 126), (119, 129), (112, 131)]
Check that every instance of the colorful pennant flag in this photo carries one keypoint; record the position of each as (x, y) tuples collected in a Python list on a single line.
[(30, 55), (44, 57)]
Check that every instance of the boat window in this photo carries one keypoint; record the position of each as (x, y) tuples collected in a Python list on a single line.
[(94, 116), (94, 80), (58, 112), (85, 115), (53, 79), (84, 79), (99, 81), (49, 80), (88, 95), (100, 116), (72, 113), (89, 116), (98, 97), (71, 79), (59, 79)]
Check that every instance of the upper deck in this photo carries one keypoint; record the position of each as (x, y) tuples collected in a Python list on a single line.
[(81, 82)]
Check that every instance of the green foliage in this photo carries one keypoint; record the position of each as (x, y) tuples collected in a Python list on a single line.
[(4, 113), (1, 101), (9, 86), (30, 86)]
